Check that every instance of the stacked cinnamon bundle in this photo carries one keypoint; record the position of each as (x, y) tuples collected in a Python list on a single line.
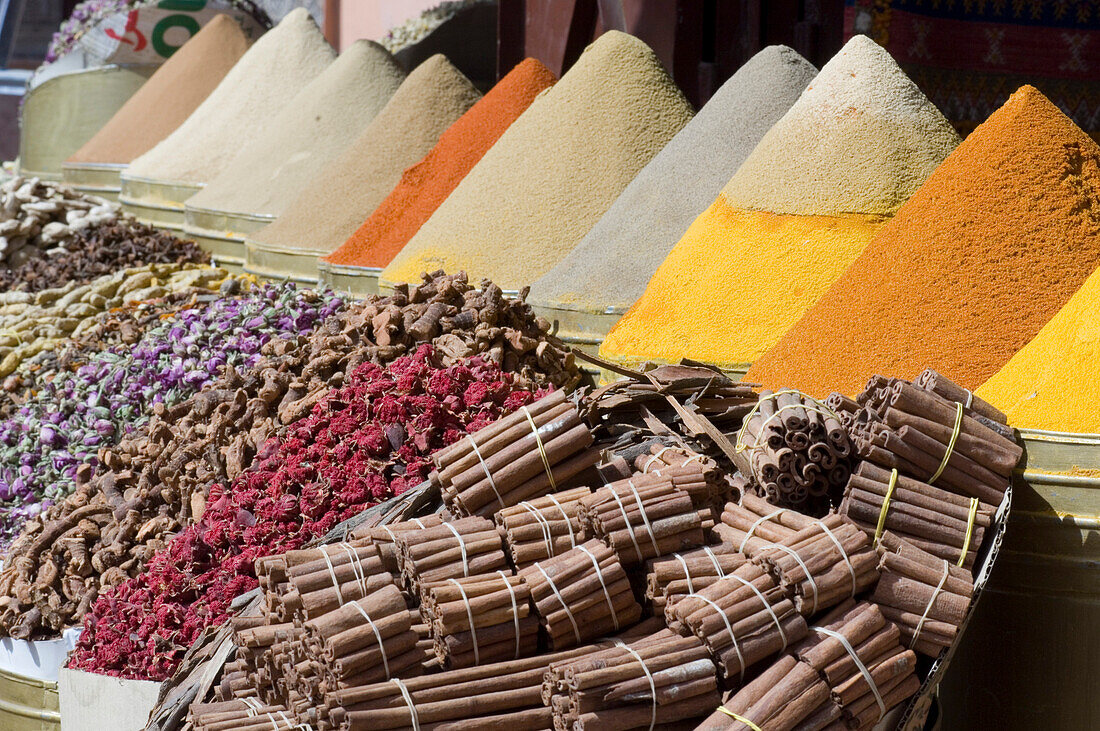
[(465, 547), (542, 448), (788, 695), (322, 579), (925, 596), (504, 695), (754, 524), (535, 530), (694, 473), (481, 619), (642, 521), (670, 578), (385, 537), (795, 451), (823, 564), (366, 640), (947, 525), (944, 442), (245, 714), (256, 672), (660, 679), (582, 594), (883, 677), (742, 619)]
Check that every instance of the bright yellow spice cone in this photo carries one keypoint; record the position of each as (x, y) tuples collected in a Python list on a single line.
[(803, 206), (1053, 382)]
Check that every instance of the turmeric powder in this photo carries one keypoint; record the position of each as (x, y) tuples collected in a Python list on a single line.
[(1053, 382), (804, 204), (967, 272)]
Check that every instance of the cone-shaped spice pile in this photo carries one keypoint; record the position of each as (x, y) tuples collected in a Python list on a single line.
[(982, 256), (344, 193), (170, 95), (554, 172), (427, 184), (276, 68), (609, 269), (317, 124), (804, 204)]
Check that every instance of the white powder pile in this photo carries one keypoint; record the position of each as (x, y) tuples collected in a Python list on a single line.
[(317, 125), (258, 87)]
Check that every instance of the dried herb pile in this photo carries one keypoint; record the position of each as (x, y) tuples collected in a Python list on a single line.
[(39, 218), (364, 442), (52, 436), (97, 251), (160, 472)]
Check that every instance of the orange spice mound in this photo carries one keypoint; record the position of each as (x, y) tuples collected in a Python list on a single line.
[(993, 244), (428, 183)]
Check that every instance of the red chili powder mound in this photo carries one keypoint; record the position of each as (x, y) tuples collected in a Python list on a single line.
[(997, 239), (427, 184)]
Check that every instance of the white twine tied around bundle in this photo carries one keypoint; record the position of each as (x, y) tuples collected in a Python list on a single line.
[(630, 526), (561, 599), (462, 548), (649, 677), (928, 609), (859, 664)]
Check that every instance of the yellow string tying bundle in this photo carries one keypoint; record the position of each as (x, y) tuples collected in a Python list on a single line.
[(950, 444), (885, 505), (736, 717), (969, 530), (542, 449)]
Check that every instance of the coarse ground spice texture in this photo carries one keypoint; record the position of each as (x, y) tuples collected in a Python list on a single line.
[(363, 443), (267, 77), (317, 125), (1053, 382), (801, 208), (609, 269), (554, 172), (170, 95), (424, 186), (970, 269), (346, 191)]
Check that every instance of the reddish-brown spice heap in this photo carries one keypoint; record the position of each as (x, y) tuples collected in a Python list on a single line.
[(980, 258)]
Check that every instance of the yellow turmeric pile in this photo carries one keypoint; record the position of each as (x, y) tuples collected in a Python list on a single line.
[(1053, 382), (801, 208)]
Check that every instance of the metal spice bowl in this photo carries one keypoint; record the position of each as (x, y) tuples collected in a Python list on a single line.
[(222, 233), (1029, 659), (94, 178), (359, 282), (156, 202)]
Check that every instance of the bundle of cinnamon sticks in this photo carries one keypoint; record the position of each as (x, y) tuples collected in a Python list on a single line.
[(322, 579), (945, 524), (924, 435), (451, 550), (366, 640), (660, 679), (504, 695), (542, 448), (823, 564), (385, 537), (481, 619), (743, 619), (535, 530), (883, 677), (670, 578), (244, 714), (795, 451), (754, 524), (694, 473), (788, 695), (642, 521), (927, 597), (581, 594)]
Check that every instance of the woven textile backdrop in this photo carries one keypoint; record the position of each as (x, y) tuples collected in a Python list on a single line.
[(969, 55)]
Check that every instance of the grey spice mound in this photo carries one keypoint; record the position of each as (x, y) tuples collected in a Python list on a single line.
[(609, 269)]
